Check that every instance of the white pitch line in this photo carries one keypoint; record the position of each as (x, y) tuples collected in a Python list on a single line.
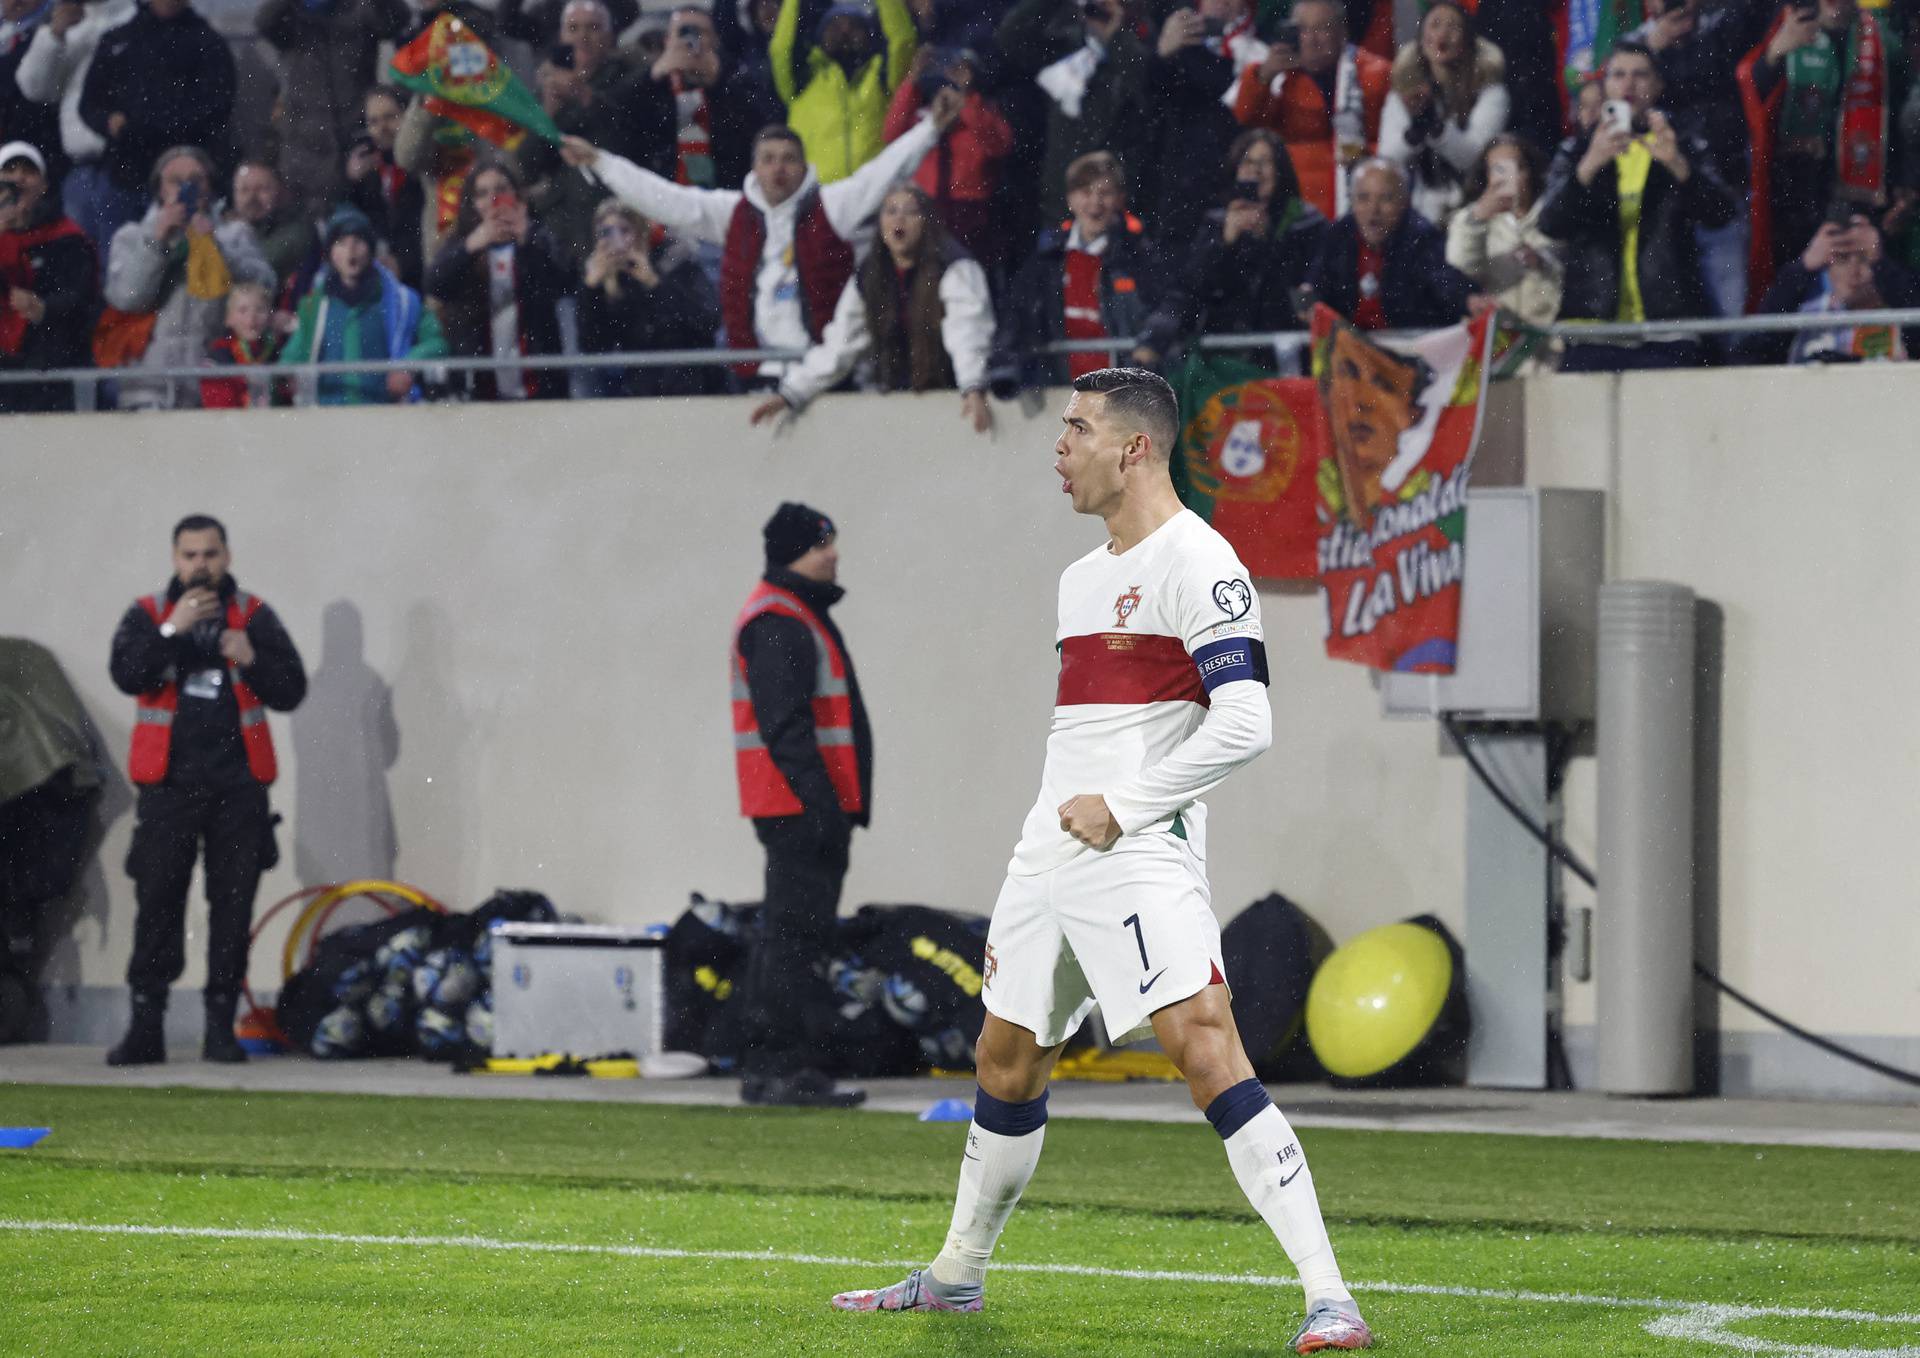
[(481, 1242)]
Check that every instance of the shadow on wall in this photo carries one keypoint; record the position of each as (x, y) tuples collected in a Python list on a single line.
[(344, 740), (79, 922)]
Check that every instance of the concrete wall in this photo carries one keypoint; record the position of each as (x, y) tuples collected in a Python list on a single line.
[(517, 624)]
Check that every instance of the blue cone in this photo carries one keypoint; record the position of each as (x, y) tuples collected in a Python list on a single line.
[(949, 1110), (19, 1138)]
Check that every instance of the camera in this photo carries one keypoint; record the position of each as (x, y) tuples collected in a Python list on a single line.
[(691, 37), (190, 196), (1617, 115), (1841, 213), (1213, 28), (1287, 35), (9, 193), (1096, 10), (1246, 191), (932, 82), (561, 55)]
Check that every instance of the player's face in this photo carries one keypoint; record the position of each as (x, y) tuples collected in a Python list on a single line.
[(1088, 455)]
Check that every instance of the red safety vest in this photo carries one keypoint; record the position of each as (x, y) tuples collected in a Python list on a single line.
[(764, 790), (153, 722)]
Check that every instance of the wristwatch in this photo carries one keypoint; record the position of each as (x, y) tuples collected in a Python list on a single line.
[(169, 631)]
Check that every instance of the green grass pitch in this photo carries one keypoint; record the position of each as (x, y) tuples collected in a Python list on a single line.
[(191, 1222)]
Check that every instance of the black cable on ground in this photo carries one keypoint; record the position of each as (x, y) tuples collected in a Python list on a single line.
[(1585, 874)]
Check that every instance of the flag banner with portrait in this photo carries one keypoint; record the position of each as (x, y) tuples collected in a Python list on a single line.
[(1247, 459), (1403, 419), (465, 80)]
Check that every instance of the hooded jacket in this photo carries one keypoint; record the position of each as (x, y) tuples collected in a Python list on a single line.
[(327, 59), (840, 114), (1132, 282), (779, 313)]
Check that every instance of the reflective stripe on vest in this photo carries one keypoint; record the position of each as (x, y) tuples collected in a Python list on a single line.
[(764, 790), (152, 746)]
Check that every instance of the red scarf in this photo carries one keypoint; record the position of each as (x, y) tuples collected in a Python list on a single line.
[(1368, 311), (16, 271), (1860, 145), (1084, 318), (695, 138)]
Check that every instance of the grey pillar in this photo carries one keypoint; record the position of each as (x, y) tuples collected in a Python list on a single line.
[(1644, 922), (1508, 884)]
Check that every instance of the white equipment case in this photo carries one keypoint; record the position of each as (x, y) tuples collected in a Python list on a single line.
[(579, 990)]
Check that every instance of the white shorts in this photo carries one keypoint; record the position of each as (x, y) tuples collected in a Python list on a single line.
[(1131, 929)]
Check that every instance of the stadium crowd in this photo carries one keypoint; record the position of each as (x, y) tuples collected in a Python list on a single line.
[(924, 194)]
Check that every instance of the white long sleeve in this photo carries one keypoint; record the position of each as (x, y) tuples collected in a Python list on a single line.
[(1461, 146), (703, 214), (842, 344), (966, 325), (1237, 729), (849, 202)]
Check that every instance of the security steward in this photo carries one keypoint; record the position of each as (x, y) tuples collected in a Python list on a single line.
[(204, 660), (804, 754)]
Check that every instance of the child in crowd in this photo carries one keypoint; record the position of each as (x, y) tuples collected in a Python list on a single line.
[(357, 311), (247, 342)]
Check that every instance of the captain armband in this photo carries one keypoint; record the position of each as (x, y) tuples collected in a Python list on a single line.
[(1230, 660)]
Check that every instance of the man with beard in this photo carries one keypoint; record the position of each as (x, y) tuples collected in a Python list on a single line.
[(803, 752), (205, 660)]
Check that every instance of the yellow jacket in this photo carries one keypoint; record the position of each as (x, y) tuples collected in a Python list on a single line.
[(840, 119)]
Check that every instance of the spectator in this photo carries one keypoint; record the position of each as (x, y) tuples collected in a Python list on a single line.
[(1383, 266), (285, 238), (1626, 200), (439, 154), (32, 121), (1190, 70), (1098, 277), (591, 90), (1523, 30), (54, 71), (357, 311), (49, 286), (539, 24), (1093, 69), (174, 266), (164, 78), (1323, 97), (1448, 101), (327, 50), (1698, 49), (715, 121), (787, 238), (962, 174), (918, 308), (1496, 239), (1842, 269), (1821, 96), (377, 185), (746, 31), (498, 281), (247, 342), (640, 297), (836, 87), (1249, 258)]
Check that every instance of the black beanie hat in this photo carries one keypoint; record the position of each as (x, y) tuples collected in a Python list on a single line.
[(793, 531)]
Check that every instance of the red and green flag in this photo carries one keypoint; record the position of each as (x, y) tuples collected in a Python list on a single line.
[(465, 80), (1247, 461)]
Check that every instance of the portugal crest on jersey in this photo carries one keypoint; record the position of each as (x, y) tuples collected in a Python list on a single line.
[(1124, 606)]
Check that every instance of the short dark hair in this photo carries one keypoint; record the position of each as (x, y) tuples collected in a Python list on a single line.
[(1093, 167), (1140, 398), (777, 132), (1632, 47), (199, 523), (1531, 156)]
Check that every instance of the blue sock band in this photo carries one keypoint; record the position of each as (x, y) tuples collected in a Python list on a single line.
[(1009, 1119), (1237, 1107)]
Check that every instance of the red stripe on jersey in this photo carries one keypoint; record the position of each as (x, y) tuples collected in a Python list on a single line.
[(1127, 668), (1216, 978)]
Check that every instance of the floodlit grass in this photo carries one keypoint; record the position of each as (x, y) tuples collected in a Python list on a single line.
[(564, 1228)]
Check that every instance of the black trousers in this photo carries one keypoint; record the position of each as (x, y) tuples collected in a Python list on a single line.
[(235, 828), (787, 996)]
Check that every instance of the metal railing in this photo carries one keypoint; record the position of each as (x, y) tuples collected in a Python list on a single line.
[(1278, 342)]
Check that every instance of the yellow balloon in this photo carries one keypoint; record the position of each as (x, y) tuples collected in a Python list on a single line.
[(1374, 1001)]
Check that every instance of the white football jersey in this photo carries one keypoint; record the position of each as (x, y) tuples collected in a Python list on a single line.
[(1144, 637)]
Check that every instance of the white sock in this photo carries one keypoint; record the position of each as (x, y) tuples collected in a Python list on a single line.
[(993, 1175), (1272, 1170)]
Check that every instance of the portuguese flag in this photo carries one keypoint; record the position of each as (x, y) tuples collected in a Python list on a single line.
[(1248, 459), (465, 80)]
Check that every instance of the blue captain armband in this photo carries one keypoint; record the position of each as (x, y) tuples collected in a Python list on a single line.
[(1230, 660)]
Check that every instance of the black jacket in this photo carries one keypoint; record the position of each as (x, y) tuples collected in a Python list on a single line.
[(206, 748), (1795, 285), (1419, 290), (1587, 218), (458, 280), (1190, 131), (398, 221), (1248, 287), (1133, 279), (781, 665), (173, 78), (682, 312), (66, 280), (1700, 90)]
